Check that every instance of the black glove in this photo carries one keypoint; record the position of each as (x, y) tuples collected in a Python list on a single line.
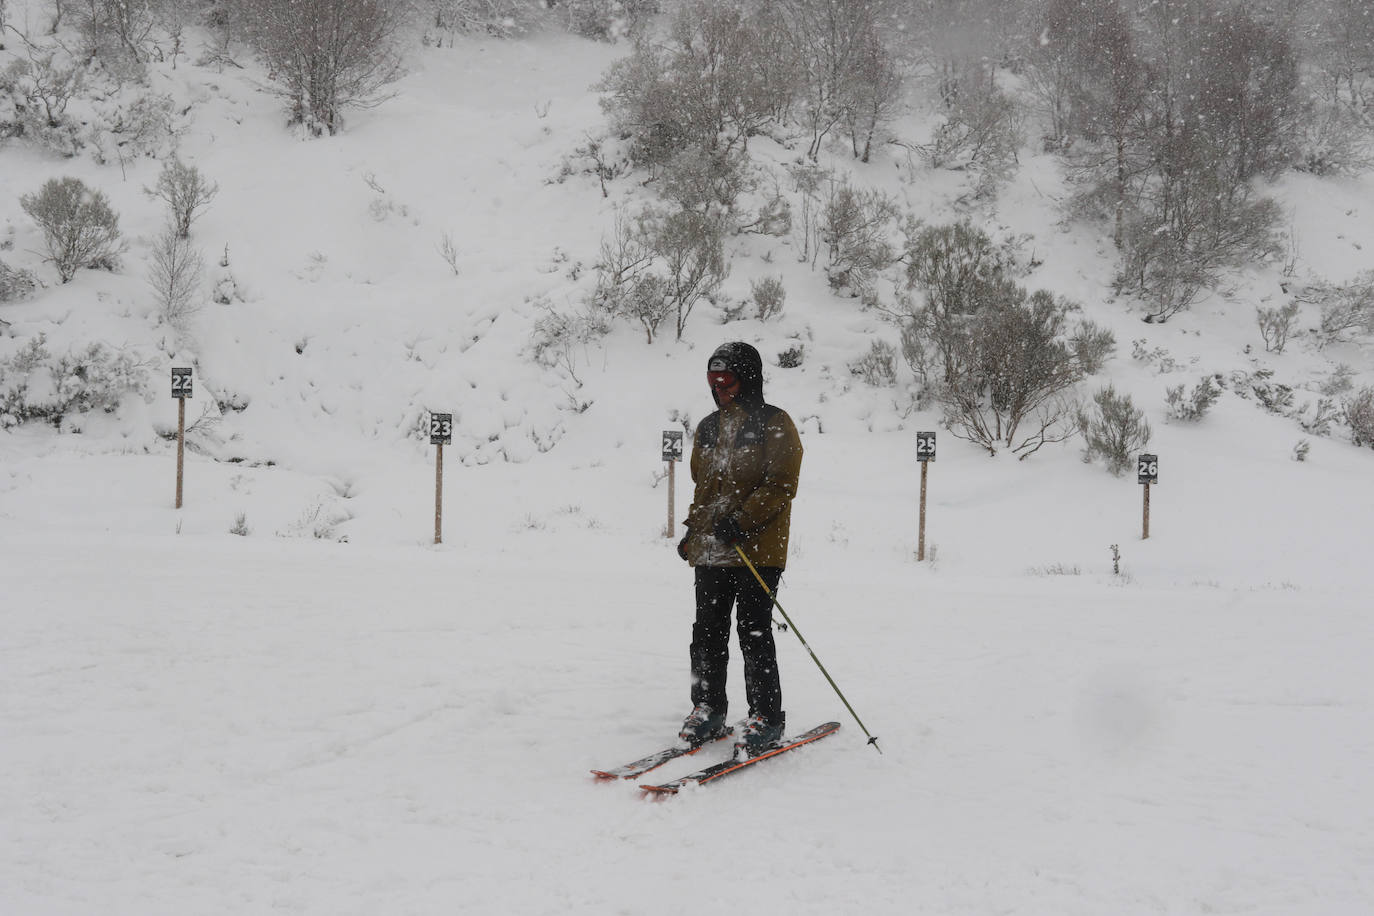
[(728, 531), (682, 545)]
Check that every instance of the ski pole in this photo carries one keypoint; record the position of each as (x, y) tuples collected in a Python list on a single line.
[(769, 592)]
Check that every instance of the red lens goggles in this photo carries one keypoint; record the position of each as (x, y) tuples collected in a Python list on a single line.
[(721, 379)]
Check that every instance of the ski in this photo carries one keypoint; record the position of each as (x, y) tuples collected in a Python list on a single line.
[(711, 773), (658, 759)]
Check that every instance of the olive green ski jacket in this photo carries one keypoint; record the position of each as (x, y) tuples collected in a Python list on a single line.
[(746, 460)]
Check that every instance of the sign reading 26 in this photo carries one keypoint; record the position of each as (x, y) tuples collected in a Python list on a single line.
[(1147, 469)]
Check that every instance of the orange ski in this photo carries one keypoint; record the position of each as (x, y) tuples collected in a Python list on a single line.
[(712, 773)]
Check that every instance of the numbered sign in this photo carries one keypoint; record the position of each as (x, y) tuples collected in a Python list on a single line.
[(1147, 469), (181, 382), (440, 428), (925, 446), (672, 445)]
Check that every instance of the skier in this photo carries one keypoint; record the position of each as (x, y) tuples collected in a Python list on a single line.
[(746, 459)]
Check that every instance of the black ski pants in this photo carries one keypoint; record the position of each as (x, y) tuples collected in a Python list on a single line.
[(718, 588)]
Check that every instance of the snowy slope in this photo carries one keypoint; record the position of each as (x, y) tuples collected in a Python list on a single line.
[(333, 715)]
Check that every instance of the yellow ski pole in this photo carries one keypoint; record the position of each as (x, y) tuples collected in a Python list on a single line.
[(769, 592)]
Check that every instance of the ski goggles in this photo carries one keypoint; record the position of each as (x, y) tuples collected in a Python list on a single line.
[(723, 378)]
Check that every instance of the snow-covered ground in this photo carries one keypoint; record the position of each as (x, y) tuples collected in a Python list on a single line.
[(330, 714)]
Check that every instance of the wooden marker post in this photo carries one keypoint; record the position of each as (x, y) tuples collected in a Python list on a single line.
[(925, 453), (672, 454), (440, 434), (181, 390), (1146, 473)]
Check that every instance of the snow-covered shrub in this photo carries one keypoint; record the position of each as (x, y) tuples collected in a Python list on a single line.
[(1092, 346), (603, 158), (34, 95), (607, 20), (643, 299), (702, 179), (501, 18), (15, 283), (77, 223), (878, 367), (792, 357), (225, 289), (69, 104), (1011, 367), (36, 384), (1317, 418), (981, 132), (1359, 416), (1164, 362), (958, 270), (1332, 140), (768, 296), (773, 216), (117, 32), (129, 124), (319, 521), (559, 337), (660, 264), (1114, 429), (1168, 258), (1276, 326), (718, 77), (1278, 398), (1274, 397), (1345, 308), (690, 248), (1339, 381), (855, 228), (323, 71), (1193, 406)]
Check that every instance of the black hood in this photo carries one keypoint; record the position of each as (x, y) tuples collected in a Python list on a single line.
[(743, 360)]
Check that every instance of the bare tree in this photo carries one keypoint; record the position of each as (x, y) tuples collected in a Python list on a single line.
[(691, 247), (1089, 73), (174, 273), (186, 193), (661, 264), (626, 286), (875, 92), (1341, 45), (172, 17), (721, 76), (45, 87), (1183, 107), (828, 38), (328, 55)]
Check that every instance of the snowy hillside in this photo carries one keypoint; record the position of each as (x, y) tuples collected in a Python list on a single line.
[(284, 697)]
